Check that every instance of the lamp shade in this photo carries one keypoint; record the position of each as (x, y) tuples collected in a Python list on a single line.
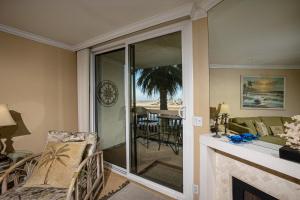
[(5, 117), (224, 108)]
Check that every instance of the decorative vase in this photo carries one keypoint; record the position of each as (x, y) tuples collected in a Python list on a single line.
[(288, 153)]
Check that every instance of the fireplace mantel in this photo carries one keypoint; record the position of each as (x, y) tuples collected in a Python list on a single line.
[(260, 154)]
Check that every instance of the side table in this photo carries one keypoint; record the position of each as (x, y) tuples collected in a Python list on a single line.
[(12, 159), (19, 155)]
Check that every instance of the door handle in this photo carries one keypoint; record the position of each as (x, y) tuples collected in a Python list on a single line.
[(182, 112)]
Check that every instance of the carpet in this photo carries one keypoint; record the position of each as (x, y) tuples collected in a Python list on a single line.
[(136, 192), (112, 184), (164, 174)]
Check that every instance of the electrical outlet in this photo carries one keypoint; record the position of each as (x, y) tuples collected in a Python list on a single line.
[(198, 121), (195, 189)]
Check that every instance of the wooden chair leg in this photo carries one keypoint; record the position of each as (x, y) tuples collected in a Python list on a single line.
[(147, 135), (159, 140)]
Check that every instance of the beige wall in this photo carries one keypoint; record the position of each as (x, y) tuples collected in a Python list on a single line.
[(201, 87), (225, 86), (38, 81)]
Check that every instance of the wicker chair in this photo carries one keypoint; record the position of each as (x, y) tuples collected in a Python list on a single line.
[(86, 184)]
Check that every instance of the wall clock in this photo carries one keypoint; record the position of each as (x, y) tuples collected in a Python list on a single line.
[(107, 93)]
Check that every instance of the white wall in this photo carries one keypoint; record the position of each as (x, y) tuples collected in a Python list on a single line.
[(83, 88)]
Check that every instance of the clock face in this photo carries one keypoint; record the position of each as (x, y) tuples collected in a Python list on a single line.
[(107, 93)]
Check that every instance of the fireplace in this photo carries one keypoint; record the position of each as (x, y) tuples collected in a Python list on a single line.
[(244, 191)]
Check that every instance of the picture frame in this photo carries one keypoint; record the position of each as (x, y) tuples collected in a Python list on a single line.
[(263, 92)]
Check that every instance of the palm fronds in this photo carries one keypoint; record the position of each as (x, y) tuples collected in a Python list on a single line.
[(53, 155), (157, 79)]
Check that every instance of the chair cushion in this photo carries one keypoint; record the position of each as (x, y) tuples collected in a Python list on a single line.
[(30, 193), (272, 121), (57, 165)]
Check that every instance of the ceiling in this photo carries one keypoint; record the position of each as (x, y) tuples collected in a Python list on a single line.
[(255, 32), (159, 51), (75, 21)]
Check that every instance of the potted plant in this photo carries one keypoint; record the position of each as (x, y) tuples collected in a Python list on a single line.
[(291, 151)]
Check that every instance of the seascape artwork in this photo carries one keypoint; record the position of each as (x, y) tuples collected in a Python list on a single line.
[(262, 92)]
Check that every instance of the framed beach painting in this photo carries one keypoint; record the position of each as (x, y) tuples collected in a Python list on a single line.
[(263, 92)]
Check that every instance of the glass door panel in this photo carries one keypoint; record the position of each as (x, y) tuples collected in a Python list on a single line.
[(110, 105), (156, 98)]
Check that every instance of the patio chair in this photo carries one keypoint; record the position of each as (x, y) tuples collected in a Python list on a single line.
[(147, 125), (171, 131), (86, 181)]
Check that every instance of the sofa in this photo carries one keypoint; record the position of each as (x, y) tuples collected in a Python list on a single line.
[(247, 125)]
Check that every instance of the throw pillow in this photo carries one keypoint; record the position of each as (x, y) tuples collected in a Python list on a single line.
[(64, 136), (57, 165), (91, 140), (251, 126), (277, 130), (57, 136), (271, 121), (261, 128)]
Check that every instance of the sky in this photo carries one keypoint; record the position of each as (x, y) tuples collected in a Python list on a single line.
[(266, 84)]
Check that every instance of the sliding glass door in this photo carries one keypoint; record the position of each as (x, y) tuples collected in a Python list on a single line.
[(139, 109), (110, 106), (156, 124)]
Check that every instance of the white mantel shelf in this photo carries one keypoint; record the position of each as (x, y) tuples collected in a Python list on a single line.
[(258, 152)]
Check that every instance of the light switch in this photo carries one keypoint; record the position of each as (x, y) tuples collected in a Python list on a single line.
[(198, 121), (195, 189)]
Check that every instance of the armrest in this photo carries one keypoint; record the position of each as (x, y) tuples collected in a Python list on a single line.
[(19, 172), (239, 128), (88, 179)]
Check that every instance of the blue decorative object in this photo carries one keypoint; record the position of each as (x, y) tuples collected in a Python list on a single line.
[(235, 138), (248, 136), (245, 137)]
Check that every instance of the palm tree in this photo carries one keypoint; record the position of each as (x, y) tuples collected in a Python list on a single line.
[(248, 87), (53, 155), (250, 84), (164, 80)]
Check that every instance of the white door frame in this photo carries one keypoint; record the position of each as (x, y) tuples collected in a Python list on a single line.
[(187, 73)]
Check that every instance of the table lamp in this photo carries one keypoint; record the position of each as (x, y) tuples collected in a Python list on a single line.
[(5, 120), (224, 112)]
